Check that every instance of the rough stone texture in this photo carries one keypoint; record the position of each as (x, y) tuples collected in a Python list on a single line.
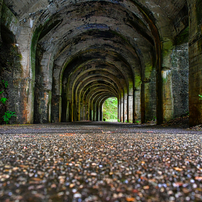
[(75, 54), (180, 80), (167, 95), (195, 61)]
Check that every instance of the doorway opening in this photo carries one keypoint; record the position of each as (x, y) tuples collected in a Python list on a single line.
[(110, 110)]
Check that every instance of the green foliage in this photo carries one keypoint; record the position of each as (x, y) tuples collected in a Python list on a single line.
[(110, 109), (5, 83), (200, 97), (8, 115), (3, 100), (154, 118)]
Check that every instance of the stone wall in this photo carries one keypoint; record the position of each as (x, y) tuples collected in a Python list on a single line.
[(131, 50), (195, 60), (180, 79)]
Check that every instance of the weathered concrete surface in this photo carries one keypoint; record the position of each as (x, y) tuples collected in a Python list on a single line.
[(195, 60)]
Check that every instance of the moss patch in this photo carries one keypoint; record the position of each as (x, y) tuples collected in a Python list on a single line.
[(137, 81), (8, 19)]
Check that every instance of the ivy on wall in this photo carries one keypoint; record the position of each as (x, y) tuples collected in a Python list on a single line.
[(3, 101)]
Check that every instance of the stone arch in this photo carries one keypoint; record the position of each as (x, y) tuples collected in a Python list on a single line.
[(146, 31)]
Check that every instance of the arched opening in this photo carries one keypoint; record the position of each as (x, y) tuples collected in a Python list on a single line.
[(111, 49), (110, 109)]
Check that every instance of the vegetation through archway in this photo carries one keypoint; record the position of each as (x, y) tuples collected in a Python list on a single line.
[(110, 110)]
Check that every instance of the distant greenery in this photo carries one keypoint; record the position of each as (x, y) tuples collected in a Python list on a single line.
[(110, 109)]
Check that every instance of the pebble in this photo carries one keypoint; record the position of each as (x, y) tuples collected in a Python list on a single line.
[(101, 167)]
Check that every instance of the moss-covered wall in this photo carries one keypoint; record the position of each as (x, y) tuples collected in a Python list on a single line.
[(10, 64), (10, 67)]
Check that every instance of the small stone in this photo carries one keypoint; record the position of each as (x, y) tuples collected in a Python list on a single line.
[(77, 195)]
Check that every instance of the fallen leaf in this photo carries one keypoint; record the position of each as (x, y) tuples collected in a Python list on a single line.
[(130, 199), (178, 169)]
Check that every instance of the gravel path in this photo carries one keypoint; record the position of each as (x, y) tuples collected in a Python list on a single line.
[(103, 165)]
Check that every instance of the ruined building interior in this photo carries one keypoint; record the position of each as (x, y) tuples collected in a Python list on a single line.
[(62, 59)]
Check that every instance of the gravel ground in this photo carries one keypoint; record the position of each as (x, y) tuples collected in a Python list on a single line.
[(101, 166)]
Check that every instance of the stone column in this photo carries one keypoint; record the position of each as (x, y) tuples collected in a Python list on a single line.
[(24, 82), (122, 108), (137, 97), (195, 61), (68, 111), (130, 113), (43, 90), (168, 107), (94, 111), (101, 113), (56, 98), (98, 112), (142, 100), (119, 109), (91, 111), (125, 106)]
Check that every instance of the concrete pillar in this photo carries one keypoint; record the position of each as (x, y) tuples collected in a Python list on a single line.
[(122, 108), (130, 108), (150, 96), (43, 90), (195, 62), (168, 107), (56, 102), (98, 112), (137, 97), (101, 113), (94, 111), (91, 111), (68, 111), (125, 106), (142, 100), (85, 115), (24, 82), (119, 109)]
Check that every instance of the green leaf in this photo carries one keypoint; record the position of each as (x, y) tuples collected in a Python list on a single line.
[(8, 115), (3, 100)]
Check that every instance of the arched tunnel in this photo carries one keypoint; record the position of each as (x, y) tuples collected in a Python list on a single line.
[(99, 50), (75, 55)]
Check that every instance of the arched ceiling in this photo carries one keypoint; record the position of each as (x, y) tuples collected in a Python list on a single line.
[(101, 46)]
